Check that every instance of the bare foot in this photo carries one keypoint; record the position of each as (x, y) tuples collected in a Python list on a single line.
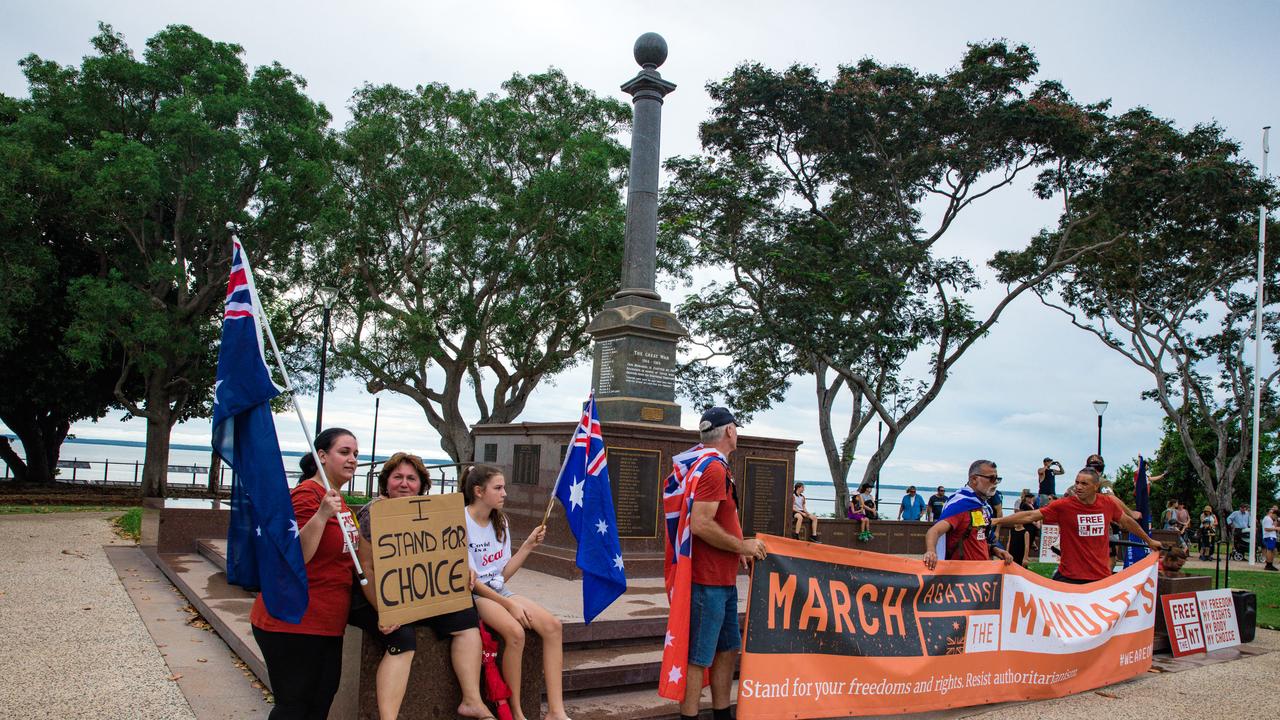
[(480, 712)]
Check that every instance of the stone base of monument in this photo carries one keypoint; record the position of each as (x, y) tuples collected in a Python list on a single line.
[(532, 454), (433, 687)]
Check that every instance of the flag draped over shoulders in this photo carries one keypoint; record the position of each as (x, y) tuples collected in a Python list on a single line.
[(678, 494), (263, 549), (583, 489), (965, 500)]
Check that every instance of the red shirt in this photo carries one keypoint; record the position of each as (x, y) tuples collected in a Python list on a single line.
[(1084, 531), (329, 573), (968, 539), (711, 565)]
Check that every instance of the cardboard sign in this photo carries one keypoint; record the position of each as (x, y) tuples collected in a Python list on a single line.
[(834, 632), (419, 547), (1218, 618), (1048, 540), (1182, 620)]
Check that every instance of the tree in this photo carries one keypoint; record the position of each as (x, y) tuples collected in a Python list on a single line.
[(44, 391), (1182, 482), (478, 237), (161, 154), (1175, 295), (813, 194)]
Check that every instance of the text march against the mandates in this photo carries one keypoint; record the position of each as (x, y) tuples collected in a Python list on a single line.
[(835, 632)]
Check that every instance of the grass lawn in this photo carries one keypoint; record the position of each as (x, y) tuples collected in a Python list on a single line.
[(1266, 585)]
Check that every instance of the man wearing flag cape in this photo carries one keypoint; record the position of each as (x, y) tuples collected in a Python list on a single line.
[(704, 549), (964, 530)]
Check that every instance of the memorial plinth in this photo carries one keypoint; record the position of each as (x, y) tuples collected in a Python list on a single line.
[(531, 454)]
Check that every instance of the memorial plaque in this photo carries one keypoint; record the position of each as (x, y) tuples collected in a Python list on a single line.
[(765, 496), (634, 482), (524, 465)]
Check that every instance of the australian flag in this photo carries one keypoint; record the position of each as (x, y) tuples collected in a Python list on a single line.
[(965, 500), (1142, 503), (678, 493), (583, 489), (263, 550)]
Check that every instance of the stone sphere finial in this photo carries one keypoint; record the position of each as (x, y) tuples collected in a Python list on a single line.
[(650, 50)]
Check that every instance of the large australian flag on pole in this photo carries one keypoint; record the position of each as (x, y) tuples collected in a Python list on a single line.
[(583, 489), (263, 550)]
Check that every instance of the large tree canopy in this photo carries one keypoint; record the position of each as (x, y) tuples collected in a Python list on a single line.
[(1175, 295), (44, 250), (814, 194), (477, 239), (160, 154)]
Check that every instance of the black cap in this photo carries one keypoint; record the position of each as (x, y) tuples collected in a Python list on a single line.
[(715, 417), (1048, 459)]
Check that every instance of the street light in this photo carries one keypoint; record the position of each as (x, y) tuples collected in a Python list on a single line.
[(327, 297), (1100, 406)]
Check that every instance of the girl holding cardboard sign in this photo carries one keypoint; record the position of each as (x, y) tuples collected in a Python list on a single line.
[(489, 546), (404, 475)]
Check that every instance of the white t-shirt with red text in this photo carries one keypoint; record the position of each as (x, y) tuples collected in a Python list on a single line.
[(486, 555)]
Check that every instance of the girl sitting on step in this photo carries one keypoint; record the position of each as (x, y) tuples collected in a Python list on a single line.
[(508, 614)]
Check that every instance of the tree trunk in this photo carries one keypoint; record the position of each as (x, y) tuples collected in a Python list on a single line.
[(17, 467), (155, 469)]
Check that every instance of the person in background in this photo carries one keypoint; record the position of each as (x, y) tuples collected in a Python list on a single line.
[(484, 491), (857, 512), (1208, 531), (1270, 523), (800, 511), (304, 660), (1020, 535), (404, 475), (1047, 476), (1238, 522), (869, 501), (912, 508), (1184, 524), (936, 503)]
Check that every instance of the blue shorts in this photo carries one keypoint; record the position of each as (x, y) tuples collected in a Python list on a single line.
[(1269, 543), (713, 622)]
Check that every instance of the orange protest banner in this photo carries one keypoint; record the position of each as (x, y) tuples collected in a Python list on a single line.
[(833, 632)]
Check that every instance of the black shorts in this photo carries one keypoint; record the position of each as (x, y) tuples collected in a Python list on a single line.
[(403, 638)]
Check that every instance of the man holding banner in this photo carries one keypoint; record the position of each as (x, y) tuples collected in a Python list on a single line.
[(965, 522), (1083, 518)]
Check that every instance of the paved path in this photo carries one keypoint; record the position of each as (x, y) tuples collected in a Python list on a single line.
[(71, 643)]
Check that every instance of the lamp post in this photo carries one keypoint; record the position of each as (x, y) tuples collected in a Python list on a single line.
[(1100, 406), (327, 297)]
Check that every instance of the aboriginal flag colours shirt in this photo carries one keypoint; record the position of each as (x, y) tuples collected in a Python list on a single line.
[(711, 565), (1084, 533), (329, 573)]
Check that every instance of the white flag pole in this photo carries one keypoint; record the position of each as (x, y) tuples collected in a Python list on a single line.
[(1257, 356), (311, 443)]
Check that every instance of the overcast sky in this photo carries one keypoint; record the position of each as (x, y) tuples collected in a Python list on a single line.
[(1022, 393)]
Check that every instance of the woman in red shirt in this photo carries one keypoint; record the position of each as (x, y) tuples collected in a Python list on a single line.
[(304, 660)]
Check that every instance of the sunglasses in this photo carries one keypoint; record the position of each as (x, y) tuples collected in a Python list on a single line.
[(995, 479)]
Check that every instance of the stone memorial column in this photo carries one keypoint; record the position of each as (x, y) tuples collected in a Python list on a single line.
[(635, 333)]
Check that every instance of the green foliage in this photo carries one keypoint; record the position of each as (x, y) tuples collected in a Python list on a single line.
[(155, 156), (1182, 483), (475, 239), (813, 191), (1169, 218), (129, 525)]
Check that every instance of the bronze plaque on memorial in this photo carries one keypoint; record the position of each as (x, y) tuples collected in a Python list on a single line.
[(524, 464), (634, 482), (764, 496)]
